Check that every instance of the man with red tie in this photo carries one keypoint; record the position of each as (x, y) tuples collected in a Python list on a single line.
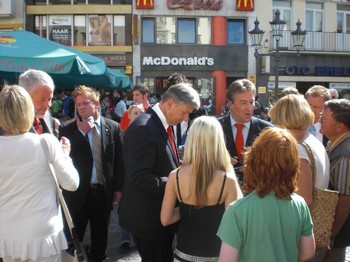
[(149, 156), (240, 126), (40, 86)]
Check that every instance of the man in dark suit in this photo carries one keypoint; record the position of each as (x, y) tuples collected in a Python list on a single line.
[(96, 151), (150, 154), (40, 86), (241, 98)]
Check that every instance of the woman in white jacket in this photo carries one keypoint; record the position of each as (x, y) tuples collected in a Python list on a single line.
[(31, 227)]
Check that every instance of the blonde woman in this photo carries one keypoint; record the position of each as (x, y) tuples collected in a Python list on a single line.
[(134, 110), (31, 227), (204, 185), (294, 113)]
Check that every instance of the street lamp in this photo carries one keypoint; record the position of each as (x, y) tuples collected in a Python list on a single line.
[(277, 26), (298, 37), (256, 36)]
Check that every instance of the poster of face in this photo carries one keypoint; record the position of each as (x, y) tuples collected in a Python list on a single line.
[(100, 29), (60, 29)]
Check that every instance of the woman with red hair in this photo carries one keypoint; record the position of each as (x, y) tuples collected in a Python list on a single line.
[(272, 223)]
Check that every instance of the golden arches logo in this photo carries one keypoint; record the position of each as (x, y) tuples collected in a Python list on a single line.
[(245, 5), (144, 3)]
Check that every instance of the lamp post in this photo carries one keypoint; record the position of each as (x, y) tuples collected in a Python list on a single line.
[(277, 26)]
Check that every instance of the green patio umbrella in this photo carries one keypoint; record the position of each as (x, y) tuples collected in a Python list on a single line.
[(22, 50)]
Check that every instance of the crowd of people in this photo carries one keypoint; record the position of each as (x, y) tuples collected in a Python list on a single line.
[(240, 188)]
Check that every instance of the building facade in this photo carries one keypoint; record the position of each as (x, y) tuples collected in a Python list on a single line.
[(325, 59), (206, 40), (99, 27)]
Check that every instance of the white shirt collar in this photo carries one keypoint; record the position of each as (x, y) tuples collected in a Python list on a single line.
[(98, 121), (161, 116), (233, 122)]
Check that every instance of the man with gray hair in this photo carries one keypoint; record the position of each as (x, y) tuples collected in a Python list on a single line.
[(316, 96), (40, 86), (334, 93), (149, 156)]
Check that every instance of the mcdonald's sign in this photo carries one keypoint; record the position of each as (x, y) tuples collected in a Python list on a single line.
[(245, 5), (144, 4)]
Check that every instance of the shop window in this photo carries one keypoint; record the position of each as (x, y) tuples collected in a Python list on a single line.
[(314, 17), (149, 82), (40, 25), (148, 29), (186, 31), (165, 30), (172, 30), (119, 30), (100, 2), (75, 2), (204, 31), (236, 32), (285, 8), (121, 2), (205, 89), (343, 22), (60, 2), (79, 30), (40, 2)]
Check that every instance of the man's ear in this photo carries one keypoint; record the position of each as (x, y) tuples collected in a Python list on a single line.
[(230, 104), (340, 127), (172, 102)]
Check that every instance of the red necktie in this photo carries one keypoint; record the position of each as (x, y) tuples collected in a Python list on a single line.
[(171, 138), (239, 140), (37, 126)]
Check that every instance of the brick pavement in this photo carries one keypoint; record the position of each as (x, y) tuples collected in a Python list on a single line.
[(114, 242)]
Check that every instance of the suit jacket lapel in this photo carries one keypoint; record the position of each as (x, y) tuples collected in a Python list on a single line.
[(230, 142), (47, 121), (253, 130), (105, 133), (163, 132)]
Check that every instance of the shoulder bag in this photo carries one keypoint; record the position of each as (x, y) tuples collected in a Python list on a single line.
[(323, 207), (80, 253)]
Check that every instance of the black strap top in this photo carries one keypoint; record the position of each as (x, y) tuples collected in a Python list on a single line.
[(178, 186), (196, 234)]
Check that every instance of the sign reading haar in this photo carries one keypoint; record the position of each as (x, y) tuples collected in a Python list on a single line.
[(174, 61)]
